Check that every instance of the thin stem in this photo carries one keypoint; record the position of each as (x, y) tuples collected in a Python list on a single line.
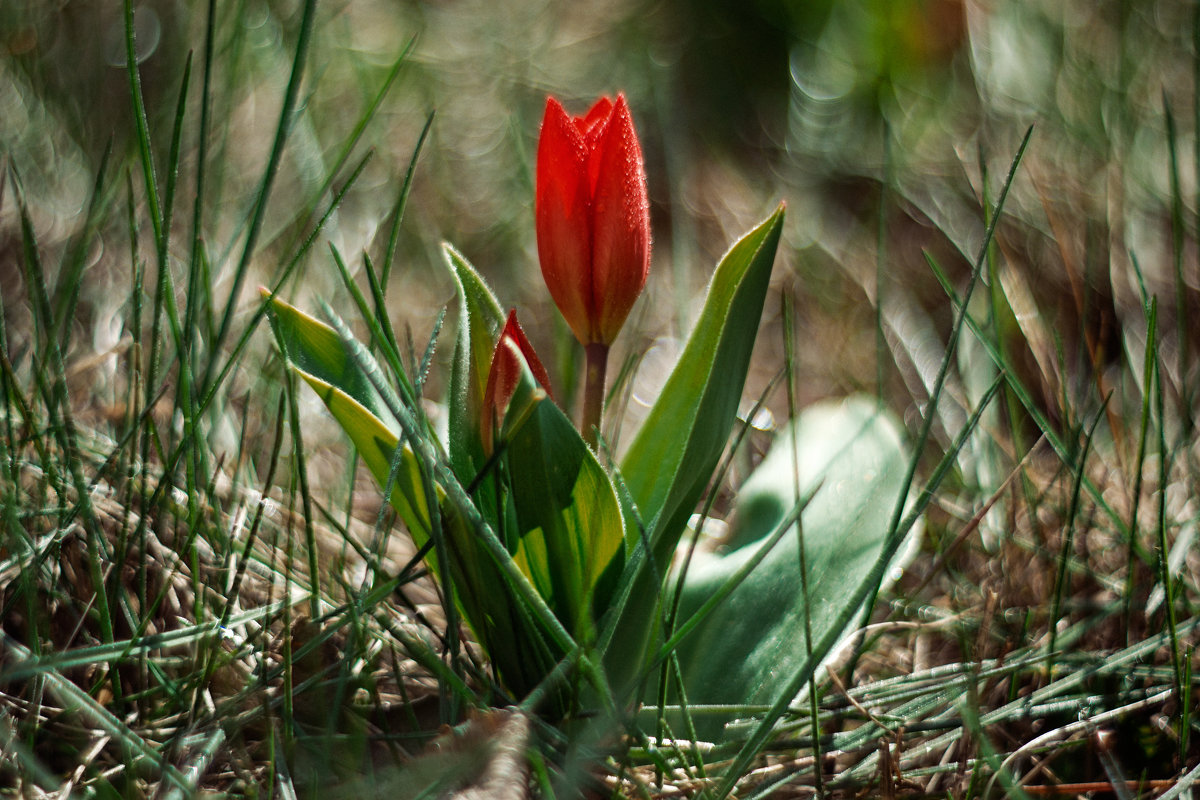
[(593, 391)]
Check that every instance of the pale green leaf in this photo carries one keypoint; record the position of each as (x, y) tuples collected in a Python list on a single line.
[(316, 353), (852, 455)]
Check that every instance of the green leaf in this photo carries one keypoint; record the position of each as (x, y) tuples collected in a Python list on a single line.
[(480, 320), (569, 522), (316, 352), (326, 361), (851, 453), (677, 448), (670, 461)]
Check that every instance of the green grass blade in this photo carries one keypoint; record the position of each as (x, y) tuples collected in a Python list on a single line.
[(1025, 397), (1178, 231), (401, 204), (142, 126), (1060, 584), (351, 141), (300, 473), (1139, 463), (287, 115), (197, 287), (66, 292), (1163, 521), (211, 386), (58, 405), (173, 155)]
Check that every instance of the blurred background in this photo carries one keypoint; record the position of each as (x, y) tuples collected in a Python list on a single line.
[(887, 126)]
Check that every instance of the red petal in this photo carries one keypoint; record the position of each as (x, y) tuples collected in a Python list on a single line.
[(512, 330), (595, 119), (503, 376), (562, 215), (513, 351), (620, 225)]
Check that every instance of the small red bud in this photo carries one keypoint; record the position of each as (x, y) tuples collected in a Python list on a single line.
[(513, 351)]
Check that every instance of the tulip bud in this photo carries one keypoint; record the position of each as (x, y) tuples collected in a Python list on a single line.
[(513, 351), (593, 216)]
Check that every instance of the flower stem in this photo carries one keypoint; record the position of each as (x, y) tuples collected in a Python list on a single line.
[(593, 391)]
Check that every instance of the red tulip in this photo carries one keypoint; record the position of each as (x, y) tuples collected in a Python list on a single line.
[(593, 216), (512, 352)]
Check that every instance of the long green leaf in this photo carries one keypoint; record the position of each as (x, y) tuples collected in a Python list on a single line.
[(316, 352), (670, 461), (479, 323)]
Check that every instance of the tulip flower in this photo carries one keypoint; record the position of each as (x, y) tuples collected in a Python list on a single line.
[(593, 228), (593, 217), (512, 351)]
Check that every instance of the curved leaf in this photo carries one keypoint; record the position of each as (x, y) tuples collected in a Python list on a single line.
[(671, 459), (326, 361), (315, 348), (677, 448), (316, 352), (852, 454)]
